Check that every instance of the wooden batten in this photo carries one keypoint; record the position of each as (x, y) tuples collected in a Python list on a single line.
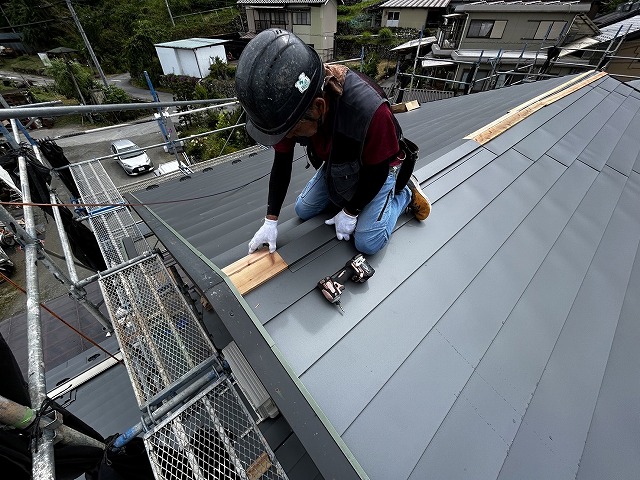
[(516, 115), (253, 270), (405, 107)]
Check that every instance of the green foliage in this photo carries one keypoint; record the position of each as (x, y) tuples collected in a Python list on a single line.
[(113, 95), (72, 79), (121, 32), (182, 86), (221, 70), (222, 143), (44, 94), (385, 35), (610, 6), (37, 29), (370, 65), (347, 12), (141, 54)]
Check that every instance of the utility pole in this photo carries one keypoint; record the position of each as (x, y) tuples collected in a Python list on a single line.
[(166, 2), (87, 44)]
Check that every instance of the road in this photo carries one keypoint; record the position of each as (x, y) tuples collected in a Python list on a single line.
[(88, 146), (96, 144)]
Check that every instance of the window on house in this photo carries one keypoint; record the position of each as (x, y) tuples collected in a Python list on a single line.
[(279, 18), (554, 30), (301, 18), (486, 28), (267, 19), (393, 19)]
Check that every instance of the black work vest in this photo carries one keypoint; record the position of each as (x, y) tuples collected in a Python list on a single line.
[(351, 115)]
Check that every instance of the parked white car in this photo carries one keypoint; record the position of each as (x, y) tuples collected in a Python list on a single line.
[(133, 162)]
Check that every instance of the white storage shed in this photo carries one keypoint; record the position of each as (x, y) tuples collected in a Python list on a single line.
[(191, 56)]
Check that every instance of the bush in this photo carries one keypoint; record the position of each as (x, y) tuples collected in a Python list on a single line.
[(385, 35), (221, 70), (370, 65), (72, 79)]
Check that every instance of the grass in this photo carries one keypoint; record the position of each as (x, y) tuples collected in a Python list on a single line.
[(349, 12), (23, 62)]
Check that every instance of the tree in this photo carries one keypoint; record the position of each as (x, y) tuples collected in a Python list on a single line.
[(39, 26), (72, 79), (141, 54)]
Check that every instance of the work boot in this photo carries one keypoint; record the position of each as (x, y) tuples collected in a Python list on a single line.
[(419, 206)]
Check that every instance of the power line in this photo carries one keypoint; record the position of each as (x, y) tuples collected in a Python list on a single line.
[(36, 23)]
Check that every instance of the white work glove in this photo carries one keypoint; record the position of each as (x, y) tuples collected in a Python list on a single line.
[(267, 233), (345, 224)]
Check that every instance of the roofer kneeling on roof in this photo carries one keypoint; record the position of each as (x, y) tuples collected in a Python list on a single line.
[(352, 138)]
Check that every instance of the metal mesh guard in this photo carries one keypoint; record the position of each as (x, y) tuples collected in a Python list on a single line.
[(212, 436), (160, 337)]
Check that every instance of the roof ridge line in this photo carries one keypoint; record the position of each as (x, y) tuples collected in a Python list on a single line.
[(519, 113)]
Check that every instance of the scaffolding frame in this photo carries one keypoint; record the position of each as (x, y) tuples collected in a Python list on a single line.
[(526, 69), (167, 352)]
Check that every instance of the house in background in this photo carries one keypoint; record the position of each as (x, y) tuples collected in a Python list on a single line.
[(191, 57), (314, 21), (479, 35), (418, 14)]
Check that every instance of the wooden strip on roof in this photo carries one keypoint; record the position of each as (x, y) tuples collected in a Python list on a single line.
[(519, 113), (253, 270)]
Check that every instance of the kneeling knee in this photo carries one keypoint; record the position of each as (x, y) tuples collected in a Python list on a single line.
[(370, 244)]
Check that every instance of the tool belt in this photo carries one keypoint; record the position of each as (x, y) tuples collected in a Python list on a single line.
[(410, 151)]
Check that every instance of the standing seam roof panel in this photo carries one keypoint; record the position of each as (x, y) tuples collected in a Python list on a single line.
[(490, 229), (573, 375), (495, 401), (611, 446), (375, 330), (586, 129)]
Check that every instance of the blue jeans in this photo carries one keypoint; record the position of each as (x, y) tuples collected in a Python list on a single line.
[(375, 222)]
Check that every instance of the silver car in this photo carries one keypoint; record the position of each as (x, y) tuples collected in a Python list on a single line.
[(133, 162)]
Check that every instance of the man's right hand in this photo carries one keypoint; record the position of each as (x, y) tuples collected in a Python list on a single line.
[(268, 233)]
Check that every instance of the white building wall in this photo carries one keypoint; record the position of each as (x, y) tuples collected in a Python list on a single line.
[(207, 55), (187, 63), (193, 63), (168, 60)]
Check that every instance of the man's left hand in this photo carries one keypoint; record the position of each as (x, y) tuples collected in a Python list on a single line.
[(345, 224)]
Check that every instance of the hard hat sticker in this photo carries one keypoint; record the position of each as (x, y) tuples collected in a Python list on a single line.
[(303, 82)]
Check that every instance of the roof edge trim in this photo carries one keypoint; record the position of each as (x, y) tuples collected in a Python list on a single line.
[(519, 113), (216, 293)]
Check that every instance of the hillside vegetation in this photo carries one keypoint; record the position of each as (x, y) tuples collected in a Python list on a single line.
[(122, 32)]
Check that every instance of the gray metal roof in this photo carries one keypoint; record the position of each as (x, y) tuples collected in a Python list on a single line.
[(627, 26), (416, 4), (498, 339), (624, 10), (522, 6), (192, 43), (281, 2), (60, 343)]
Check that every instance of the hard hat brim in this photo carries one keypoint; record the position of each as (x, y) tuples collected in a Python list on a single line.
[(263, 138)]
